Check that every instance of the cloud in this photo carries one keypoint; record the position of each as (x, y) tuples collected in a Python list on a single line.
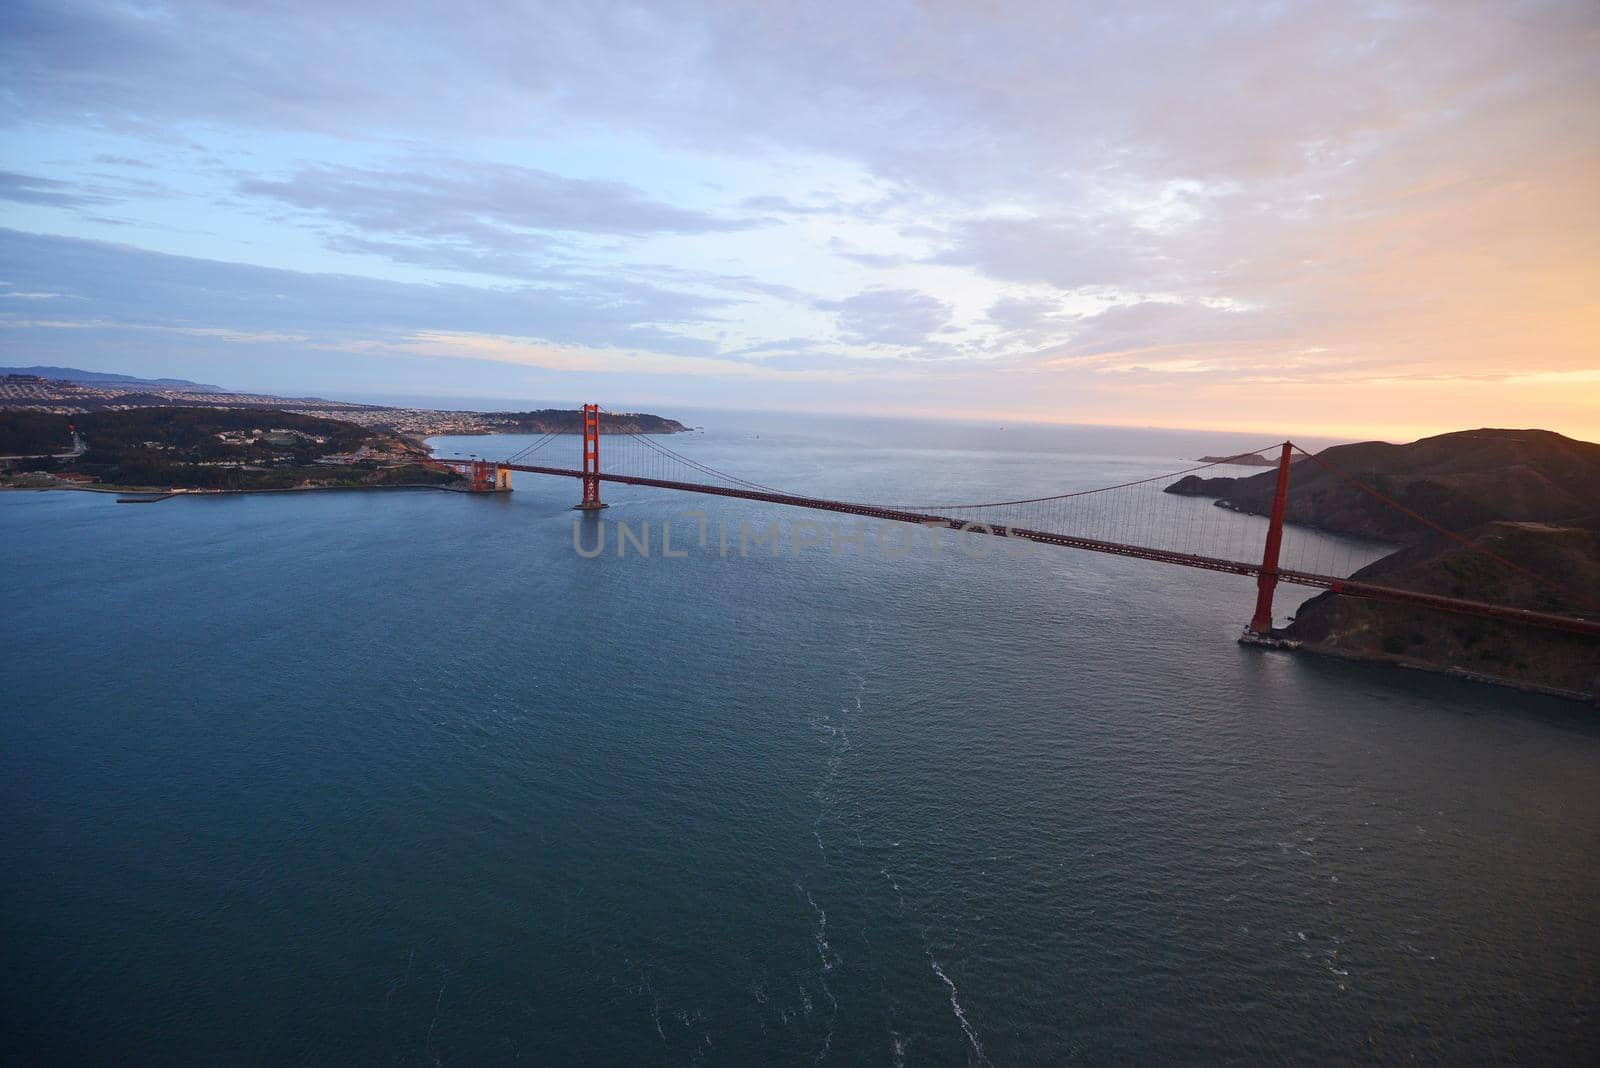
[(899, 317), (876, 260), (782, 205), (28, 189), (8, 291), (1030, 321), (122, 161), (477, 217), (121, 284), (1229, 193), (1066, 254), (1006, 98), (534, 353), (478, 201)]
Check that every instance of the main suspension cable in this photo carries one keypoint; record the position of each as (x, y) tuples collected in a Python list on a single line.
[(535, 447), (706, 469), (1083, 493)]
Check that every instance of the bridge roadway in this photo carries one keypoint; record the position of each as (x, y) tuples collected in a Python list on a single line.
[(1346, 587)]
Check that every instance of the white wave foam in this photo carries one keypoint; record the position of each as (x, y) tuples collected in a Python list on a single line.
[(825, 952), (961, 1016)]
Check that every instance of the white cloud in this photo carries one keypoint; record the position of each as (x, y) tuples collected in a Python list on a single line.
[(1237, 192)]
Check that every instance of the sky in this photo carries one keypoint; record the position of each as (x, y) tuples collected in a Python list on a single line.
[(1372, 220)]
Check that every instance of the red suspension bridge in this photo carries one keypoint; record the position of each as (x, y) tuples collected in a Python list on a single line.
[(1131, 519)]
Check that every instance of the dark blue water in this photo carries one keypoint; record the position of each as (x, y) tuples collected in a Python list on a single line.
[(400, 778)]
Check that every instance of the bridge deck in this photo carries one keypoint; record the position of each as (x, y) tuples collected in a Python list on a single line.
[(1333, 583)]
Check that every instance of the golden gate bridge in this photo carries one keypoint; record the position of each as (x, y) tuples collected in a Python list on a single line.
[(1134, 519)]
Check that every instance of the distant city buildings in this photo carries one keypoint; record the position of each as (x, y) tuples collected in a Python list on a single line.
[(278, 436), (33, 393)]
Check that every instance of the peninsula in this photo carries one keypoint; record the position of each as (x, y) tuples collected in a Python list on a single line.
[(1531, 496), (91, 429), (69, 391)]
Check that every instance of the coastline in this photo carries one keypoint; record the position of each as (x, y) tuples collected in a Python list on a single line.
[(1391, 661), (169, 492), (428, 444)]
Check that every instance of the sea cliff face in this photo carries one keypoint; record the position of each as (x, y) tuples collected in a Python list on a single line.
[(1530, 496)]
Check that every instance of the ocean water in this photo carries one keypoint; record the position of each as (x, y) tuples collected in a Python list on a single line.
[(403, 778)]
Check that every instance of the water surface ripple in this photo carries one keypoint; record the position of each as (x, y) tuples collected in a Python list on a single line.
[(398, 778)]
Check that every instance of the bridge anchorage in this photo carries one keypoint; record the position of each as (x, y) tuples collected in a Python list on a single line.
[(1138, 520), (483, 476)]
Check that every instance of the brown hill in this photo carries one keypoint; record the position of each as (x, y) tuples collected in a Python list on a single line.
[(1459, 480), (1372, 630), (570, 421), (1530, 496)]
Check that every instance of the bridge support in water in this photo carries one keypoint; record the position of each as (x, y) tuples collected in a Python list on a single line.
[(1267, 580), (489, 477), (591, 460)]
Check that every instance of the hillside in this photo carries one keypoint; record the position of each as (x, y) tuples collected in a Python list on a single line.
[(222, 448), (33, 433), (570, 421), (108, 378), (1370, 630), (1459, 480), (1531, 496), (69, 391)]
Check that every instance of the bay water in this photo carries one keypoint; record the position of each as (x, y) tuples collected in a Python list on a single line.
[(402, 777)]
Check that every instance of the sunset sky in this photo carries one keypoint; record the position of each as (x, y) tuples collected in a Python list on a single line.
[(1349, 219)]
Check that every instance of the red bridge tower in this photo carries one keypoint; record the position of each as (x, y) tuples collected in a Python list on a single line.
[(591, 459), (1267, 580)]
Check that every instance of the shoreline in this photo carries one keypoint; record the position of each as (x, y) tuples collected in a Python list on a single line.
[(1476, 677), (169, 492)]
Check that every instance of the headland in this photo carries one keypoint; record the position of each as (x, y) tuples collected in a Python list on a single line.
[(1529, 497)]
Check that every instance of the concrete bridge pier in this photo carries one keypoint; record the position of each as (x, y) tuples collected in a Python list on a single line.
[(489, 477)]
